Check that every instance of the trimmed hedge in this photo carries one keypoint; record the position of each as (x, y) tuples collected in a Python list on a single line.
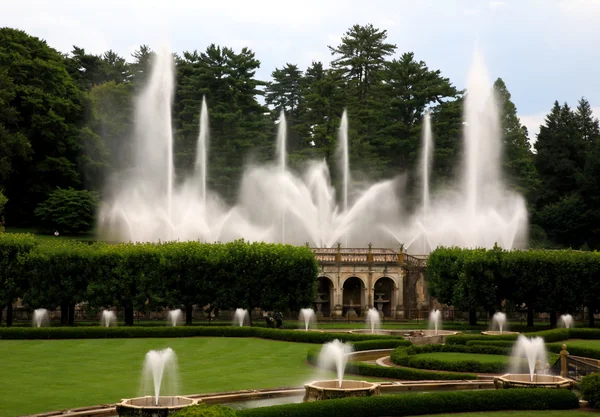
[(574, 350), (380, 344), (408, 374), (424, 403), (99, 332), (584, 333), (549, 336), (590, 389), (205, 410), (407, 357)]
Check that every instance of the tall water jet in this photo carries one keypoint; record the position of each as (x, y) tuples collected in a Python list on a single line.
[(202, 151), (566, 321), (175, 317), (499, 321), (533, 349), (426, 158), (334, 354), (241, 317), (373, 320), (281, 151), (344, 158), (40, 317), (308, 316), (435, 319), (108, 318), (160, 373)]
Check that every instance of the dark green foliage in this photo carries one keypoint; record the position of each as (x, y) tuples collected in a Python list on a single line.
[(590, 389), (204, 410), (549, 336), (427, 403), (380, 344), (68, 210)]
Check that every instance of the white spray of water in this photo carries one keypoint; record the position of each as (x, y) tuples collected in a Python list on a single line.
[(533, 349), (241, 317), (499, 321), (373, 320), (308, 316), (334, 354), (566, 320), (160, 373), (435, 320), (175, 317), (108, 318), (40, 317)]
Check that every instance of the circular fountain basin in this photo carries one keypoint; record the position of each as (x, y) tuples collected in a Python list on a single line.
[(417, 337), (525, 381), (329, 389), (147, 407), (497, 333)]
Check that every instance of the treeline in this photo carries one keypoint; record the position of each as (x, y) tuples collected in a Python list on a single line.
[(150, 277), (66, 122), (554, 282)]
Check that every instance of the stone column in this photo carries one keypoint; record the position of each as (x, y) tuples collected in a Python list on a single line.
[(400, 296), (564, 354)]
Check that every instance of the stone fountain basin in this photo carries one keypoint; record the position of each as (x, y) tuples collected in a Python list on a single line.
[(497, 333), (330, 389), (147, 407), (525, 381)]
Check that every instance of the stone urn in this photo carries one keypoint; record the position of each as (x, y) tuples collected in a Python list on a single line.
[(147, 406), (330, 389)]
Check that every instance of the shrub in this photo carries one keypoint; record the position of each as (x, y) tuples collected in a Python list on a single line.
[(574, 350), (584, 333), (380, 344), (205, 410), (590, 389), (549, 336), (425, 403), (68, 210)]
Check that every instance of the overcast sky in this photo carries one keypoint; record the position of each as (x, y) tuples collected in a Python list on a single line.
[(545, 50)]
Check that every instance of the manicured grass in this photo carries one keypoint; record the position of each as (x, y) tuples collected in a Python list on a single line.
[(547, 413), (459, 357), (591, 344), (46, 375)]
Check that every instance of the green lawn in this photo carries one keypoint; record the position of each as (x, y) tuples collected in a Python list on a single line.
[(550, 413), (583, 343), (45, 375)]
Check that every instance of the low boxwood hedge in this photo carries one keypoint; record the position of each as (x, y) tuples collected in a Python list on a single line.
[(409, 357), (584, 333), (98, 332), (407, 374), (204, 410), (551, 347), (425, 403)]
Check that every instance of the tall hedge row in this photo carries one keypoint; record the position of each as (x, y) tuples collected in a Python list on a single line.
[(61, 273), (541, 280)]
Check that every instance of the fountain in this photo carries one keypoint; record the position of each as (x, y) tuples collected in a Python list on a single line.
[(159, 374), (335, 355), (499, 322), (566, 321), (108, 318), (175, 317), (435, 320), (373, 320), (308, 316), (276, 204), (533, 350), (241, 317), (40, 317)]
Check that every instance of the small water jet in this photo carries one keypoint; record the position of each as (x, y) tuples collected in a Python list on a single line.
[(160, 373), (40, 317), (335, 355), (435, 320), (175, 317), (108, 318), (499, 321), (566, 321), (241, 317), (533, 349), (373, 320), (308, 316)]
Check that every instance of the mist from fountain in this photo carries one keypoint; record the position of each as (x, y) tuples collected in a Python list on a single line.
[(175, 317), (240, 317), (373, 320), (108, 318), (40, 317), (499, 321), (566, 320), (334, 354), (160, 373), (435, 321), (533, 349), (308, 316), (278, 204)]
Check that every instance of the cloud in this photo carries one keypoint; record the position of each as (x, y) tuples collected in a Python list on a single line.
[(496, 4)]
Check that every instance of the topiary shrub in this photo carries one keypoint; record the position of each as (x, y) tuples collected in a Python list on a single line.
[(590, 389), (205, 410)]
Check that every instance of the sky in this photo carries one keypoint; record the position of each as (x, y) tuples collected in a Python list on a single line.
[(545, 50)]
